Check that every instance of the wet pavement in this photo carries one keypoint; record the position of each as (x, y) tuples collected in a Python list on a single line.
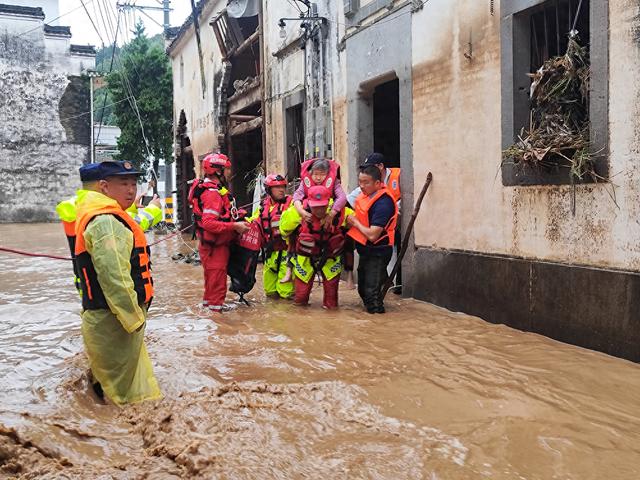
[(278, 391)]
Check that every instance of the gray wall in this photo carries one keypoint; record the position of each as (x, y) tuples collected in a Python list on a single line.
[(44, 135), (375, 55)]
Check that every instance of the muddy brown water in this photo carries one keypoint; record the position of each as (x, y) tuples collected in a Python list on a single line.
[(275, 391)]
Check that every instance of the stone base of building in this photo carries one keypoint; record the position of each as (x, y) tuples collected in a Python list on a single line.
[(593, 308)]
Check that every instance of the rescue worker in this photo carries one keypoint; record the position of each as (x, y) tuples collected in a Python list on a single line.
[(217, 226), (391, 179), (113, 261), (318, 248), (146, 217), (325, 172), (275, 248), (373, 229)]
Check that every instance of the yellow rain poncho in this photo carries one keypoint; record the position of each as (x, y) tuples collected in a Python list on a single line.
[(114, 338), (146, 217)]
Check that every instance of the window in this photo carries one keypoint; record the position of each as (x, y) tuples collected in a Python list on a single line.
[(532, 32)]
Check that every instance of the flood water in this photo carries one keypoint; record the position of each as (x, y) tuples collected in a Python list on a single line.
[(277, 391)]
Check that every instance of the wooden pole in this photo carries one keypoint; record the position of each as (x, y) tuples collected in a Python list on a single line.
[(406, 236)]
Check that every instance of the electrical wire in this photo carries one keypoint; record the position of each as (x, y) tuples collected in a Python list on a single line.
[(92, 22), (113, 52), (87, 113)]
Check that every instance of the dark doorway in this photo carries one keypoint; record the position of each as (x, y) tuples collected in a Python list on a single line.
[(184, 171), (295, 141), (246, 157), (386, 121)]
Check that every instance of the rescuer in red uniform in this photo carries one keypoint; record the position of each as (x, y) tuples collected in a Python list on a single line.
[(217, 226)]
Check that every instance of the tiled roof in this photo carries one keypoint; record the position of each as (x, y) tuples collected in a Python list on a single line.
[(84, 49), (56, 30), (18, 10)]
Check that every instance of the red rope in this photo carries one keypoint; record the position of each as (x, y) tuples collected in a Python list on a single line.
[(56, 257), (171, 236), (29, 254)]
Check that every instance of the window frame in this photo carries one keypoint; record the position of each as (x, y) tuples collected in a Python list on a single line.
[(515, 63)]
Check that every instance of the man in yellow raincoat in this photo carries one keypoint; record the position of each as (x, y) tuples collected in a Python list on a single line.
[(112, 259), (146, 217)]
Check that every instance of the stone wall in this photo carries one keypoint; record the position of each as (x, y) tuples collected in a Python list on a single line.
[(44, 127)]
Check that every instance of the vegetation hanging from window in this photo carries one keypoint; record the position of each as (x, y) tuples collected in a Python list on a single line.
[(558, 132)]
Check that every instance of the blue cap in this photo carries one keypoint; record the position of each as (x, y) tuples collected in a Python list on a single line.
[(373, 159), (90, 172), (112, 169)]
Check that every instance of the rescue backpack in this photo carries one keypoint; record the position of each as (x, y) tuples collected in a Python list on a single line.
[(243, 261)]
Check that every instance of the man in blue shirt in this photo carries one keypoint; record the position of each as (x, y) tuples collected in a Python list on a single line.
[(373, 230)]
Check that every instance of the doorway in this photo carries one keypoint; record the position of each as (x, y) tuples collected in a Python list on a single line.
[(295, 141), (246, 159), (386, 122)]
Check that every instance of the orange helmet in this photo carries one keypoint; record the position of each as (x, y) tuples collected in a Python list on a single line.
[(214, 162), (275, 180)]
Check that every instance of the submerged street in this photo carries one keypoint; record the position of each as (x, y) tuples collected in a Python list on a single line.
[(278, 391)]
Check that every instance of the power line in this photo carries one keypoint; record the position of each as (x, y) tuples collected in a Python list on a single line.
[(91, 20), (113, 54), (87, 113)]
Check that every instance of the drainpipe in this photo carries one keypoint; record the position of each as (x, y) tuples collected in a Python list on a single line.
[(91, 74), (93, 150)]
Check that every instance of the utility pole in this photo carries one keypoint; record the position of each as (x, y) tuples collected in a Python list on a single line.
[(168, 167), (165, 6), (165, 9), (92, 74)]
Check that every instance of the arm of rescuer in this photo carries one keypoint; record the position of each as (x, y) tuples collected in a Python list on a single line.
[(380, 214), (337, 205), (298, 197), (212, 206), (110, 244), (147, 216), (289, 221)]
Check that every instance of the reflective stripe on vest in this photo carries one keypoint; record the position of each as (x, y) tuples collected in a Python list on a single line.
[(313, 240), (362, 207), (93, 297)]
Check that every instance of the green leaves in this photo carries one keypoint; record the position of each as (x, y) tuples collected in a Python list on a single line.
[(140, 87)]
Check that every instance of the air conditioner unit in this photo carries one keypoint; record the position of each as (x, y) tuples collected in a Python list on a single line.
[(350, 7), (243, 8)]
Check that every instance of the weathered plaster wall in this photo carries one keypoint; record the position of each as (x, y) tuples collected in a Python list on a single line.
[(201, 112), (457, 118), (44, 133), (284, 77)]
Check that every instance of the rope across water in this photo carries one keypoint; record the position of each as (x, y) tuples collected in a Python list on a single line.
[(57, 257)]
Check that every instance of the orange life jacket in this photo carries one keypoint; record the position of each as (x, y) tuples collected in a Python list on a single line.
[(70, 233), (328, 183), (393, 184), (92, 295), (362, 207), (270, 223)]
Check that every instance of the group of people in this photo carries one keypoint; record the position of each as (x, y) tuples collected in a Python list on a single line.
[(302, 236), (310, 234)]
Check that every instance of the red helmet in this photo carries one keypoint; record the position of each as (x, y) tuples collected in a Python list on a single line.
[(213, 162), (275, 180)]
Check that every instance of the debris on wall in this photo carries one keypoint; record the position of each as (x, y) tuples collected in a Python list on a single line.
[(558, 133)]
